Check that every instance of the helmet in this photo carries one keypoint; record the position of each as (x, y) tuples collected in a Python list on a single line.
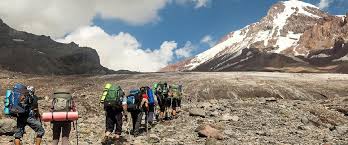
[(31, 90)]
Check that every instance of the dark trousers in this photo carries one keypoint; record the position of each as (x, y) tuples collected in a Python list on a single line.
[(151, 113), (113, 118), (64, 128), (179, 102), (137, 116), (24, 120)]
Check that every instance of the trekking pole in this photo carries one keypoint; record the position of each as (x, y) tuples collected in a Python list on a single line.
[(147, 122), (127, 125), (77, 135)]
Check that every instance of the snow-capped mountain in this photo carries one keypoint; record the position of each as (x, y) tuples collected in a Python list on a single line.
[(290, 35)]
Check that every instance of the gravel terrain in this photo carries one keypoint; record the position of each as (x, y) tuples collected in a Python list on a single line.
[(229, 108)]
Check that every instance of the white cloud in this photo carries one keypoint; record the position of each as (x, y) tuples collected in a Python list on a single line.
[(57, 18), (185, 51), (207, 39), (48, 17), (123, 51), (135, 12), (323, 4), (197, 3), (201, 3)]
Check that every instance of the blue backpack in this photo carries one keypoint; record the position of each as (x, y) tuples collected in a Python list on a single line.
[(7, 102), (15, 105), (151, 96), (133, 99)]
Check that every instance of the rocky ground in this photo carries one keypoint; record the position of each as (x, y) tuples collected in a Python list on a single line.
[(230, 108)]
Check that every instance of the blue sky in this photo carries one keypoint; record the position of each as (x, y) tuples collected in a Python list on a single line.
[(183, 23), (141, 35)]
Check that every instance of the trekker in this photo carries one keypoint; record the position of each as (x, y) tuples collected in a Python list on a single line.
[(134, 100), (115, 102), (34, 105), (175, 97), (152, 103), (25, 108), (62, 102), (161, 91)]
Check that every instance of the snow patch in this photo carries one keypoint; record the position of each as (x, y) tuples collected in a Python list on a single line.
[(344, 58), (290, 9), (321, 55), (262, 36), (212, 52), (290, 40), (341, 16), (18, 40), (41, 52)]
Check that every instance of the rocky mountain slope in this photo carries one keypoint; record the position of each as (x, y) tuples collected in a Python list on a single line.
[(242, 107), (287, 39), (29, 53)]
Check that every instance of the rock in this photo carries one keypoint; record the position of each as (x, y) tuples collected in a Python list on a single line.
[(197, 112), (302, 127), (153, 139), (211, 141), (214, 113), (7, 126), (342, 130), (228, 117), (271, 99), (208, 131), (305, 120), (205, 105)]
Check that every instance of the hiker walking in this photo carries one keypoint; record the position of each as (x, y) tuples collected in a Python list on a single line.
[(34, 107), (175, 96), (115, 102), (134, 99), (161, 91), (25, 108), (62, 102)]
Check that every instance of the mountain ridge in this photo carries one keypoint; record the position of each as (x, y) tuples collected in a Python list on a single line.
[(292, 29), (28, 53)]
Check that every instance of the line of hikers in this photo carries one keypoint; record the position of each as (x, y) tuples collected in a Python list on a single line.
[(160, 102), (21, 102)]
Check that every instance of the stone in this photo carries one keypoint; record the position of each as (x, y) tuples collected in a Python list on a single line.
[(205, 105), (208, 131), (153, 138), (228, 117), (197, 112), (271, 99), (211, 141), (7, 126), (214, 113), (305, 120), (342, 130)]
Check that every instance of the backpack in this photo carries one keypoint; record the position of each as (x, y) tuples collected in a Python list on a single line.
[(62, 101), (7, 102), (113, 96), (16, 105), (163, 88), (175, 91), (133, 99), (150, 95)]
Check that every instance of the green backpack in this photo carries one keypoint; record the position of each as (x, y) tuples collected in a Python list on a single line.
[(113, 96)]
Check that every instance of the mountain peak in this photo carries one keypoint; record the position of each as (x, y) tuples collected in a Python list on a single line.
[(298, 4)]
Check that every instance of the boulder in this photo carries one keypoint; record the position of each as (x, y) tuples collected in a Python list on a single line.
[(197, 112), (7, 126), (228, 117), (209, 131)]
